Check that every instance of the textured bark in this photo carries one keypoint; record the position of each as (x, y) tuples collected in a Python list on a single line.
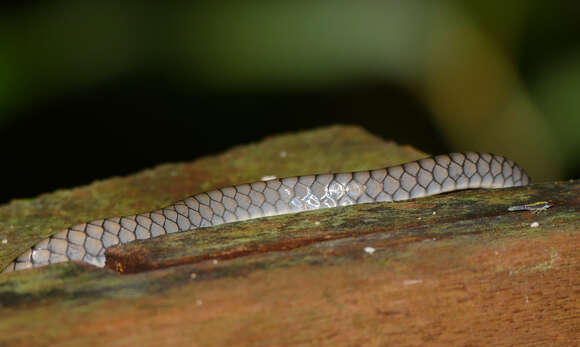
[(455, 268)]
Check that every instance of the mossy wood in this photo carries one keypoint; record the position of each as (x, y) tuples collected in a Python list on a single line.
[(455, 268)]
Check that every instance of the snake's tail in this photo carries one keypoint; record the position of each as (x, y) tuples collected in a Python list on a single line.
[(88, 242), (429, 176)]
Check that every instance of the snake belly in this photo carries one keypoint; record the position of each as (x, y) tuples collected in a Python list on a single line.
[(443, 173)]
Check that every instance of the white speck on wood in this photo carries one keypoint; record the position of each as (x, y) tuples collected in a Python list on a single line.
[(370, 250)]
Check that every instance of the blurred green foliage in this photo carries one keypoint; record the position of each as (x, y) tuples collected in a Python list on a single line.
[(499, 76)]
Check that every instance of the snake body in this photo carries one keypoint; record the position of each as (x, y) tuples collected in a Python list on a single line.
[(443, 173)]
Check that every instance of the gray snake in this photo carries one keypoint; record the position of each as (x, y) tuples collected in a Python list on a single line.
[(443, 173)]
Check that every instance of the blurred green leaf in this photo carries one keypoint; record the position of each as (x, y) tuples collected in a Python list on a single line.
[(557, 93)]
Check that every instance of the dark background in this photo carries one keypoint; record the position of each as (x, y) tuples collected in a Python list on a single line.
[(89, 91)]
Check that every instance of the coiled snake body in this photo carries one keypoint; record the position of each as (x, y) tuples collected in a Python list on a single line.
[(443, 173)]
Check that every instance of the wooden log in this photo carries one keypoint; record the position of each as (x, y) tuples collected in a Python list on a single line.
[(451, 269)]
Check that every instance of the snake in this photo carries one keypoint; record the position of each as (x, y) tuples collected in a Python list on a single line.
[(88, 242)]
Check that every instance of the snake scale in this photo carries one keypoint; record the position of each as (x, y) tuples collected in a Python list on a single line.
[(443, 173)]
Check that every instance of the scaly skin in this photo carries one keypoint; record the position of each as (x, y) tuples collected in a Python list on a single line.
[(439, 174)]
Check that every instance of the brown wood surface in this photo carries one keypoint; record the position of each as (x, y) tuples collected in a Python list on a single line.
[(451, 269)]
